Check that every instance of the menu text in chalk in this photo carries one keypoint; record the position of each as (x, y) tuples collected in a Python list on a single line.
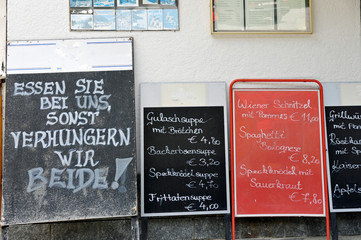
[(184, 161), (344, 150), (69, 146), (278, 164)]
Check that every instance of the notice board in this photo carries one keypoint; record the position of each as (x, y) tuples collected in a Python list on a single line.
[(184, 149), (69, 151), (277, 148), (344, 150)]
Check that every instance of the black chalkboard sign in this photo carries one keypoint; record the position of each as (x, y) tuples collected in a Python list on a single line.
[(69, 148), (184, 165), (344, 151)]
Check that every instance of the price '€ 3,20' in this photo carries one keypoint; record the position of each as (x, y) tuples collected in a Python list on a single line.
[(203, 162)]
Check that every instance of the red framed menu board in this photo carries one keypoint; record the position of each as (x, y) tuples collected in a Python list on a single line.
[(278, 148)]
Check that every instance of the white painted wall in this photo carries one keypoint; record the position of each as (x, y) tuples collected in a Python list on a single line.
[(2, 35), (331, 53)]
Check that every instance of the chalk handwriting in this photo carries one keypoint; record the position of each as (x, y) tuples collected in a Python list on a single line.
[(286, 165), (80, 168), (66, 159), (304, 158), (338, 166), (333, 115), (39, 88), (76, 179), (347, 190), (305, 198), (334, 140), (277, 184), (292, 104), (339, 126), (72, 137), (249, 114), (280, 148), (64, 178), (152, 118), (202, 184), (267, 170), (53, 103), (355, 151), (202, 205), (170, 172), (203, 162), (354, 126), (71, 118), (152, 150), (344, 151), (88, 86), (173, 130), (93, 102), (305, 117), (177, 198), (262, 134), (245, 104), (263, 115), (202, 139), (189, 144)]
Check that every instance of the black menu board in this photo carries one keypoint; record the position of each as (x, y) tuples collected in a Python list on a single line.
[(344, 151), (184, 161)]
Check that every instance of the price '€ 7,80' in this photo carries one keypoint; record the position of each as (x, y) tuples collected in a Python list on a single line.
[(305, 198)]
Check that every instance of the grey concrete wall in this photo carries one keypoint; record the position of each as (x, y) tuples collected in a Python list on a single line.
[(187, 228)]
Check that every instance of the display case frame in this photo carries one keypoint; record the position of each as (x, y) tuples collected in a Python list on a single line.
[(261, 17)]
